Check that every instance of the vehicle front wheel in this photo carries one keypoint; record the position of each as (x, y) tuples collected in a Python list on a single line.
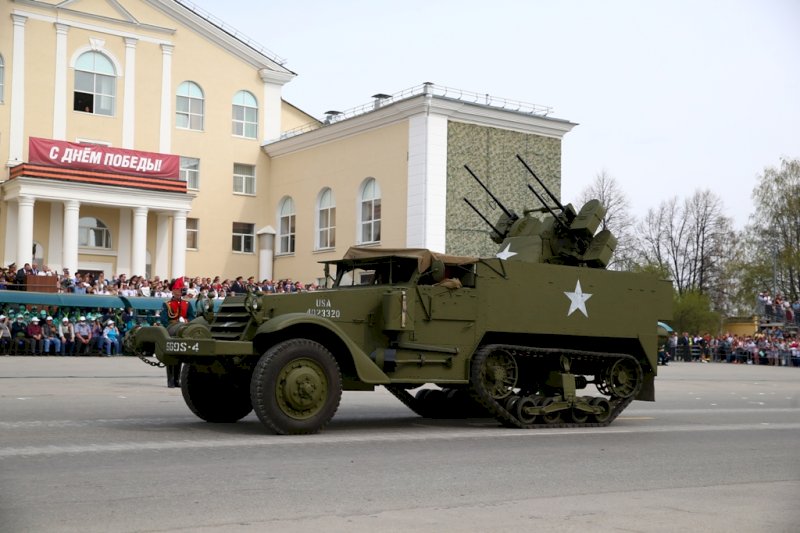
[(217, 398), (296, 387)]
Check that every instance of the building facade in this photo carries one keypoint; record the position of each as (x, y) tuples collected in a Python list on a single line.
[(141, 137)]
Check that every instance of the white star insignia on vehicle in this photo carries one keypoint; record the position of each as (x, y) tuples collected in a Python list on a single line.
[(506, 253), (577, 300)]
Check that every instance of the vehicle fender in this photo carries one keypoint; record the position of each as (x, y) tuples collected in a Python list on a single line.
[(367, 370)]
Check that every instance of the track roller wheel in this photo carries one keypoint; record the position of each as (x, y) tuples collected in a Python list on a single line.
[(522, 405), (511, 403), (605, 412), (578, 415), (552, 417)]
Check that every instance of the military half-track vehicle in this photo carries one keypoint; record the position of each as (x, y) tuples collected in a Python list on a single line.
[(516, 337)]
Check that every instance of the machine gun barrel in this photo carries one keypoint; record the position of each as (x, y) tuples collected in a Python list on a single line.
[(501, 234), (549, 209), (508, 213), (550, 194)]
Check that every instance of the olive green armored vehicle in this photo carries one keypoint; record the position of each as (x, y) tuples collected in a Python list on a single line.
[(519, 336)]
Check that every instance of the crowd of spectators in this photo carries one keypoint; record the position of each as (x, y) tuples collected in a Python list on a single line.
[(772, 346), (778, 308), (26, 330), (48, 330), (15, 279), (54, 331)]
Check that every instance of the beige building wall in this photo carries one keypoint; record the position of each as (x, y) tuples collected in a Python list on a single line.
[(342, 165), (194, 57), (401, 143)]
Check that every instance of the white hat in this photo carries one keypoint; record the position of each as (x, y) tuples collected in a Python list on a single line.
[(34, 319), (110, 322), (49, 318), (2, 317), (82, 319), (65, 319)]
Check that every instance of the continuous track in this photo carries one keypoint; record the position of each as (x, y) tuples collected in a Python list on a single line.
[(597, 411)]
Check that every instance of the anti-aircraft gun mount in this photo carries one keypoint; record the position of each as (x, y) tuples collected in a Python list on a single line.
[(514, 336), (555, 235)]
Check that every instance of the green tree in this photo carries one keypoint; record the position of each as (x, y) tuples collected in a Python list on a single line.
[(774, 234), (691, 311)]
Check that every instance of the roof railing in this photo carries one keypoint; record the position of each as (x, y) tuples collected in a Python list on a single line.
[(381, 100), (233, 32)]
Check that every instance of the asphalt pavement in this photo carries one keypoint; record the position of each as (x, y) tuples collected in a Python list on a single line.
[(100, 444)]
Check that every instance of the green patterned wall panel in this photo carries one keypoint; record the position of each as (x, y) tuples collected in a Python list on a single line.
[(491, 154)]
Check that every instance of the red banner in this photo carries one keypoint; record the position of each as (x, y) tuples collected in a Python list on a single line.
[(103, 158)]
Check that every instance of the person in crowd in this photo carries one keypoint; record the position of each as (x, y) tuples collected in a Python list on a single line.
[(66, 331), (83, 337), (19, 333), (173, 313), (5, 335), (51, 337), (238, 286), (21, 278), (111, 338), (35, 336), (97, 335)]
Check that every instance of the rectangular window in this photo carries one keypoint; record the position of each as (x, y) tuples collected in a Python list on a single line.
[(244, 179), (243, 237), (190, 172), (327, 228), (371, 221), (286, 244), (192, 234)]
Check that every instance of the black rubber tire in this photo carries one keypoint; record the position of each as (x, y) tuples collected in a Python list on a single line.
[(217, 398), (278, 378)]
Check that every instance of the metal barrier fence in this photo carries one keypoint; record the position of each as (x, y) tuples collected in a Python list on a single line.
[(723, 353)]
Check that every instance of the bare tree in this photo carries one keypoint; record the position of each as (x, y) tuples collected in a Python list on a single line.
[(618, 218), (687, 239)]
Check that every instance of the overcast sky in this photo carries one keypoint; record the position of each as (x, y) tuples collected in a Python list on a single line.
[(670, 97)]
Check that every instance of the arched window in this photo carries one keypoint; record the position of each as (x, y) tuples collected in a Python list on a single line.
[(245, 115), (370, 212), (326, 220), (286, 225), (95, 84), (2, 78), (93, 233), (189, 106)]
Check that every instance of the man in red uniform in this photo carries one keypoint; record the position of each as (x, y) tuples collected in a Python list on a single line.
[(174, 312)]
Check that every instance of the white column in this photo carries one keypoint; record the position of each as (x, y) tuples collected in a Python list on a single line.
[(60, 99), (165, 133), (178, 244), (426, 200), (12, 219), (72, 210), (16, 131), (266, 252), (129, 99), (139, 242), (124, 242), (161, 260), (24, 230), (55, 242), (271, 105)]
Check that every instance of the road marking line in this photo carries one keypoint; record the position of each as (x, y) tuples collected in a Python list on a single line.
[(344, 438)]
